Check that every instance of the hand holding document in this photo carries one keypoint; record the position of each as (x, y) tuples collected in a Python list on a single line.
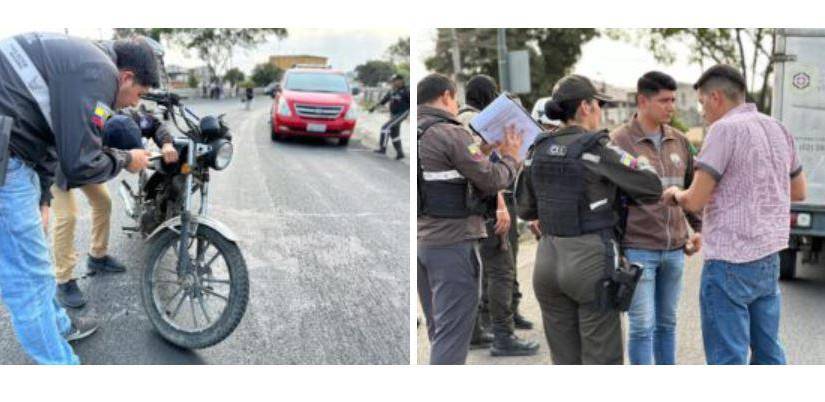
[(499, 114)]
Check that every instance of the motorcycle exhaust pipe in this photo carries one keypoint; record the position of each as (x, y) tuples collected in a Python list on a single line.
[(128, 198)]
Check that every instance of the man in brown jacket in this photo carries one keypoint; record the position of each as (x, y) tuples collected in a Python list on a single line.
[(657, 236), (453, 173)]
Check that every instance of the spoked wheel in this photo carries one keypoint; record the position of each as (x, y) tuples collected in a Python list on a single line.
[(201, 304)]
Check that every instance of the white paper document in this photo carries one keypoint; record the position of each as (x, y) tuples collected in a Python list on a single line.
[(503, 111)]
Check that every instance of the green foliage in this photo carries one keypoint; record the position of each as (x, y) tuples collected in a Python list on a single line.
[(399, 52), (263, 74), (234, 76), (748, 49), (553, 52), (374, 72), (678, 124), (213, 45), (193, 81)]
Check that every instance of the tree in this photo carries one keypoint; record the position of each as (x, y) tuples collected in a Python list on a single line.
[(399, 52), (748, 49), (193, 81), (265, 73), (234, 76), (374, 72), (553, 52), (213, 45)]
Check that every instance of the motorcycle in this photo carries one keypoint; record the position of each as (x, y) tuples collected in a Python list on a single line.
[(195, 285)]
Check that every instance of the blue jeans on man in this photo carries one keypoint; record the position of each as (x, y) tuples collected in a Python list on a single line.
[(652, 313), (740, 305), (27, 281)]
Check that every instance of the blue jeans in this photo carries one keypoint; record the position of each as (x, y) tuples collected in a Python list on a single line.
[(740, 310), (652, 313), (27, 283)]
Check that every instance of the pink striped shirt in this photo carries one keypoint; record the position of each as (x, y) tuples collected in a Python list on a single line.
[(753, 158)]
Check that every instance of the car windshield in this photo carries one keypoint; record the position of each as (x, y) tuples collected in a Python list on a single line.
[(316, 82)]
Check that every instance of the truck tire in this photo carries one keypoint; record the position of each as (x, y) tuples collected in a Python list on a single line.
[(343, 141), (787, 264)]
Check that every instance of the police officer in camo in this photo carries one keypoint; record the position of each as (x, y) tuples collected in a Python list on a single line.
[(454, 174), (572, 182)]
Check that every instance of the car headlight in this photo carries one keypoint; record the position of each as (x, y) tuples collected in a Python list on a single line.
[(222, 151), (283, 107), (352, 113)]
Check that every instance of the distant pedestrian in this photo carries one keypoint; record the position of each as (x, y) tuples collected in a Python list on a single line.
[(248, 95)]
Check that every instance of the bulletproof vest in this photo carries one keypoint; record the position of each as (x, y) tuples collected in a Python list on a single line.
[(558, 176), (445, 194)]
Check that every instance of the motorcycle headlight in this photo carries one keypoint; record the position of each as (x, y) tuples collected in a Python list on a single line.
[(283, 107), (352, 114), (222, 151)]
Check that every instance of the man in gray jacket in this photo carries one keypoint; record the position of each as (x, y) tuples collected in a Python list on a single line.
[(56, 93)]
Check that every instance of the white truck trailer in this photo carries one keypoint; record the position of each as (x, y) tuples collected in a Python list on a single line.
[(799, 103)]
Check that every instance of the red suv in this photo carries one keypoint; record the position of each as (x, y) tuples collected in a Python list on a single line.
[(314, 102)]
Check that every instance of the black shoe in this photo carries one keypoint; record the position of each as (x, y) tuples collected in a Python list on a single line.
[(481, 340), (81, 328), (381, 151), (105, 264), (399, 157), (521, 323), (69, 295), (511, 345)]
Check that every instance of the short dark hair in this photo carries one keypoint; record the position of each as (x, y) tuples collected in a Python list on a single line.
[(433, 86), (724, 78), (138, 57), (481, 90), (654, 81)]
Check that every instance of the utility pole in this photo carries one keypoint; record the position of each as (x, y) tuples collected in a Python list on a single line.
[(503, 65)]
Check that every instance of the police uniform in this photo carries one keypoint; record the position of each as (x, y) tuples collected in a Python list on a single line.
[(54, 90), (453, 175), (571, 183), (498, 257), (399, 100)]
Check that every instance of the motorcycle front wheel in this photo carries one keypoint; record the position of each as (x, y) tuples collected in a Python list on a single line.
[(201, 304)]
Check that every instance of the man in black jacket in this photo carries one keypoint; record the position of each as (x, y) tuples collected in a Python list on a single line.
[(399, 99), (56, 93)]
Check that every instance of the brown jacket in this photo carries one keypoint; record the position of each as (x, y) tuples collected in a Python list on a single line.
[(450, 147), (656, 226)]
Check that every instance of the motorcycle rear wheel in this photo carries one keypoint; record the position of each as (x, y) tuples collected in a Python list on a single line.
[(203, 284)]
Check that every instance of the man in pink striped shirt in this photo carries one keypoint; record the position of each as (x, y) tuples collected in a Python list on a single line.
[(747, 175)]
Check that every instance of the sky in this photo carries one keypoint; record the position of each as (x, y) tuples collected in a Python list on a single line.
[(345, 48), (615, 62)]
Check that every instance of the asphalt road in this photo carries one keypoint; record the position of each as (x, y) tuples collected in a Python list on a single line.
[(801, 327), (325, 233)]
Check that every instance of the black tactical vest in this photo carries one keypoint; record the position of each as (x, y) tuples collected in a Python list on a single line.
[(558, 176), (445, 194)]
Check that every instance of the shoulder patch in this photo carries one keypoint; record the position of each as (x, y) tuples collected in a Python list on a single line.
[(100, 115), (475, 152), (624, 157)]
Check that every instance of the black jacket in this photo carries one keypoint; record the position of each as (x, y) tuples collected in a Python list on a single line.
[(609, 169), (82, 81), (399, 100)]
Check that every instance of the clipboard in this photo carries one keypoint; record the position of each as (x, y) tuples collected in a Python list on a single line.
[(501, 112)]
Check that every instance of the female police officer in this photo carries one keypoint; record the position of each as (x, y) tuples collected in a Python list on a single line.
[(572, 183)]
